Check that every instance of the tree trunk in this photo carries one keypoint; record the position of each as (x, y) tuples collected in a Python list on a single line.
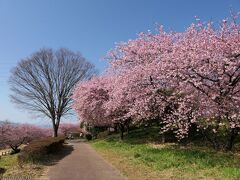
[(121, 135), (121, 128), (127, 128), (56, 122), (216, 144), (212, 138), (233, 135), (55, 132), (55, 129), (15, 149)]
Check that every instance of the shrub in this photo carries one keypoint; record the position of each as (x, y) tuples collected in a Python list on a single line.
[(37, 149), (88, 137)]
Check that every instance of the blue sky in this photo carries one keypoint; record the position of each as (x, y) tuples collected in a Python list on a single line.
[(91, 27)]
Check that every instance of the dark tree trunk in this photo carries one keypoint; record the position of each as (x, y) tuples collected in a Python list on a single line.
[(55, 132), (233, 135), (55, 128), (216, 143), (212, 140), (127, 128), (127, 123), (15, 149), (121, 135), (121, 128)]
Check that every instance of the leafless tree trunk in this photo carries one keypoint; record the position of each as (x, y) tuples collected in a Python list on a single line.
[(43, 82)]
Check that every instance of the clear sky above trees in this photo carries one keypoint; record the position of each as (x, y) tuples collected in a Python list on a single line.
[(91, 27)]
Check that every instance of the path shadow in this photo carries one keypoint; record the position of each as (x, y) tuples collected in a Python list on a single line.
[(53, 159)]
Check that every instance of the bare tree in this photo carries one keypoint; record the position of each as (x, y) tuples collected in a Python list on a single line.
[(43, 83)]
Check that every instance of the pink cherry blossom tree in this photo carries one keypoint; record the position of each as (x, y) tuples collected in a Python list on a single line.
[(91, 103), (176, 79), (206, 62), (89, 98), (14, 135), (66, 128), (193, 75), (141, 89)]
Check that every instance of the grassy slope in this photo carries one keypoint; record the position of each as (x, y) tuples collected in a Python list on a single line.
[(137, 157), (10, 163)]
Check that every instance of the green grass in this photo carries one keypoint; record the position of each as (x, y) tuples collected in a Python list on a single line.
[(8, 162), (171, 160), (27, 170)]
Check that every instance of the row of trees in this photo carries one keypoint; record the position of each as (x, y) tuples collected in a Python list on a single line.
[(179, 80), (66, 128), (13, 135)]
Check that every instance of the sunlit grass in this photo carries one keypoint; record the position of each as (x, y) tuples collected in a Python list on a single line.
[(10, 163), (168, 161)]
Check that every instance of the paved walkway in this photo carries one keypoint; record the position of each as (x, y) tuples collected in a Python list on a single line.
[(83, 163)]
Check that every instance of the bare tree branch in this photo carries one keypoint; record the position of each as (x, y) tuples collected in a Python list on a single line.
[(43, 83)]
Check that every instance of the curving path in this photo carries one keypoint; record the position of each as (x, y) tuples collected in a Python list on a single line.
[(83, 163)]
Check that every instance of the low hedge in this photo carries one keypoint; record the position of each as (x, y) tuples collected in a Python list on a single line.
[(37, 149)]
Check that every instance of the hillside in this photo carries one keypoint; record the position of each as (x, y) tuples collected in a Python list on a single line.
[(140, 156)]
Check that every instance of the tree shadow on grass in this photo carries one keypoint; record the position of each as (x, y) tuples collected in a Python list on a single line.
[(199, 153), (144, 135)]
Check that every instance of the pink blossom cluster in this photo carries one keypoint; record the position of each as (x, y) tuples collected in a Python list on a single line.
[(69, 127), (90, 98), (179, 79)]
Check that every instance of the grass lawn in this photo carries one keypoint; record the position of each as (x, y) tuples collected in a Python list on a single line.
[(28, 170), (137, 157)]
